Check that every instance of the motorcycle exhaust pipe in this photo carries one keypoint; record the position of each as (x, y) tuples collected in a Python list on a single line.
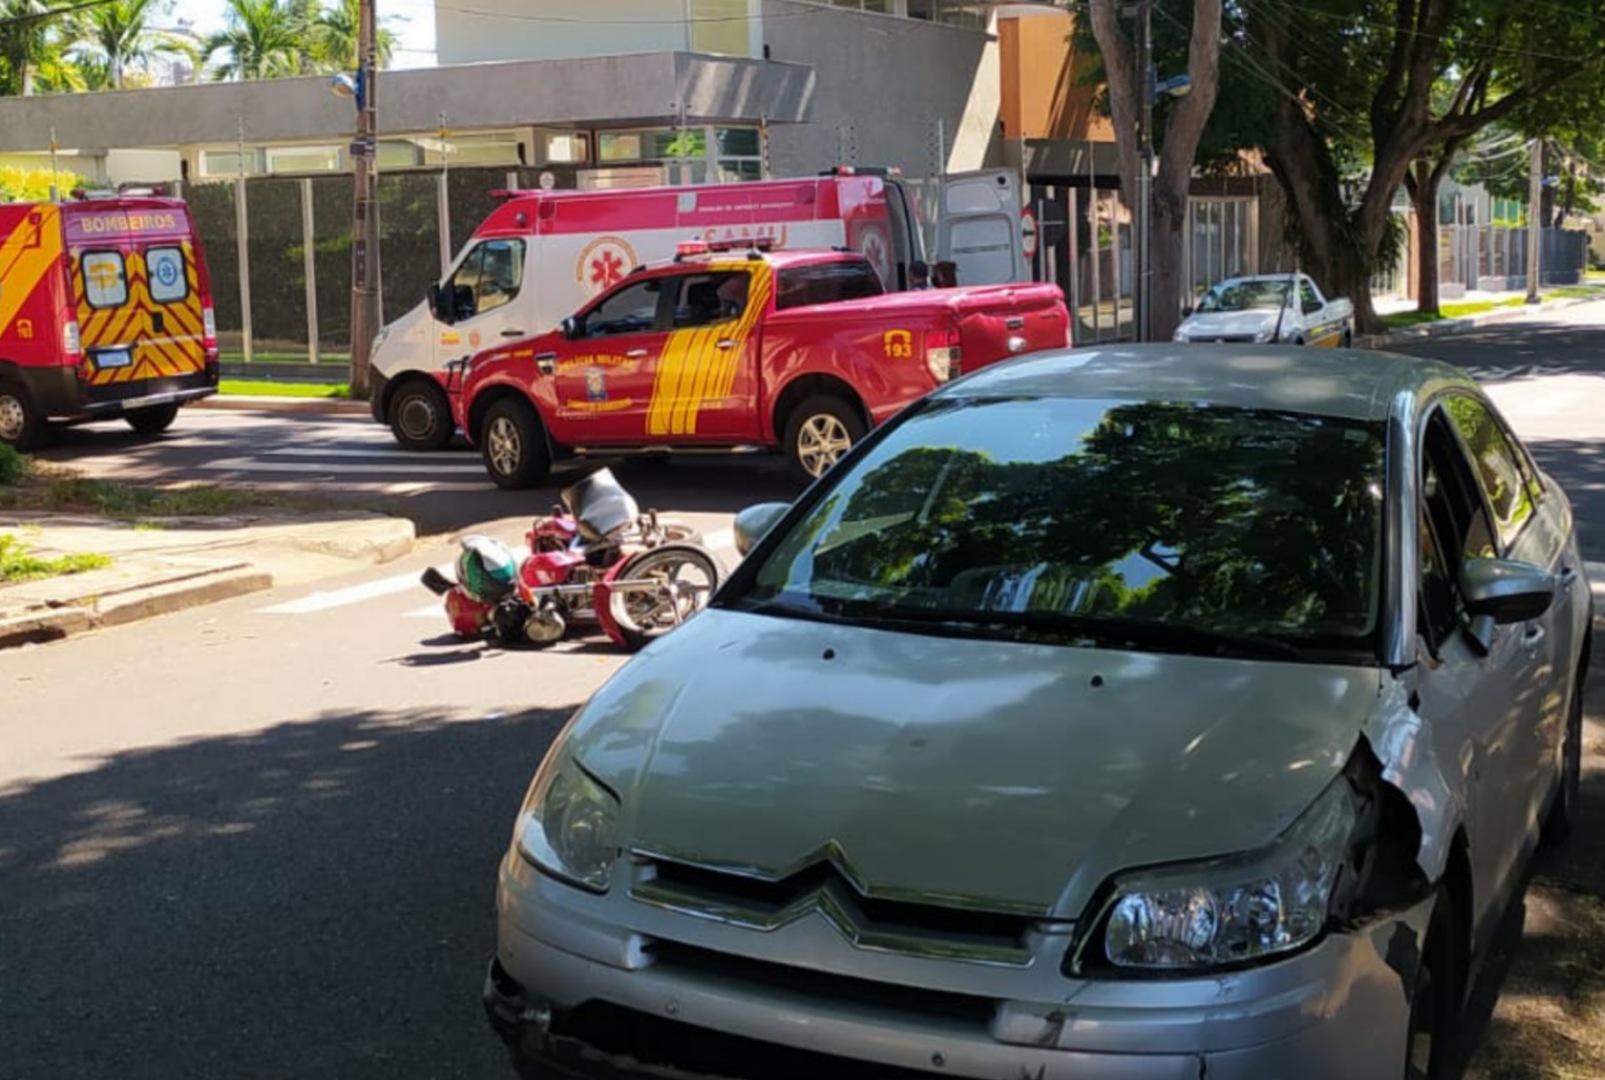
[(436, 582)]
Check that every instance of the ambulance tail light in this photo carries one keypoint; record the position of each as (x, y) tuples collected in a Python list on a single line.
[(943, 356), (209, 332), (71, 342)]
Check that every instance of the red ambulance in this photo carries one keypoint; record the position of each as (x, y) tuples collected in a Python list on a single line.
[(544, 254), (105, 312)]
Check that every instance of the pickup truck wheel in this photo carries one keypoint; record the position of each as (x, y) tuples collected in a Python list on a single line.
[(152, 420), (420, 415), (1348, 339), (819, 432), (513, 444), (20, 422)]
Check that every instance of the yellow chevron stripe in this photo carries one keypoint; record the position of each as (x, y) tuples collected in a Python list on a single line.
[(28, 254)]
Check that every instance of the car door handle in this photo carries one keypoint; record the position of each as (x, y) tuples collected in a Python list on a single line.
[(725, 343), (636, 354), (512, 333), (1531, 636)]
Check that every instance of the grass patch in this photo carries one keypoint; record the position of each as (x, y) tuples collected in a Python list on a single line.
[(237, 356), (273, 388), (1398, 320), (17, 563), (52, 489), (13, 466)]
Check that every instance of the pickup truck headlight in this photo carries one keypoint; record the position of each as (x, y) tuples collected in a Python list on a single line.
[(1235, 909), (1265, 333), (1180, 335), (569, 824)]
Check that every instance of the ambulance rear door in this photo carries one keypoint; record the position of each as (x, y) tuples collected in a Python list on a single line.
[(978, 228)]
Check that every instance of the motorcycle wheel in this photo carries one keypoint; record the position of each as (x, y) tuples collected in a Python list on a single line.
[(688, 576)]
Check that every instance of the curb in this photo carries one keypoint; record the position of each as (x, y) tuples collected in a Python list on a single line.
[(36, 627), (317, 406), (1443, 327)]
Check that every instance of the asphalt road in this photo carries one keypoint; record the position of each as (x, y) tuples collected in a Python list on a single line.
[(354, 460), (259, 839)]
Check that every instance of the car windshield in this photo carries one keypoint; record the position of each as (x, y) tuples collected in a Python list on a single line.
[(1178, 527), (1245, 296)]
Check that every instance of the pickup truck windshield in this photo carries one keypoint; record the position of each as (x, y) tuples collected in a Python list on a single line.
[(1245, 296), (1146, 523)]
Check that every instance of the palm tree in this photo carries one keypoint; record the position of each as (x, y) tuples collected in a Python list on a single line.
[(263, 40), (334, 37), (33, 46), (117, 35)]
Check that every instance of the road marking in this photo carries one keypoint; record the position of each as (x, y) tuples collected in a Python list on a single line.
[(405, 455), (433, 611), (250, 465), (723, 540), (324, 601)]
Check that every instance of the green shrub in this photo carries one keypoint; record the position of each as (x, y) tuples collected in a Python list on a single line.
[(17, 563), (12, 465)]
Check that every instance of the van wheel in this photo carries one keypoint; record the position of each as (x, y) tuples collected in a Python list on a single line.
[(153, 419), (20, 423), (819, 432), (420, 415), (513, 444), (1435, 998)]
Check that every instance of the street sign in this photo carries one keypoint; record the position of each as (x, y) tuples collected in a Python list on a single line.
[(1028, 233), (548, 180)]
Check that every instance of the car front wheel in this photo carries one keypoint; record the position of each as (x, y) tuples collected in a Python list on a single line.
[(1563, 811), (513, 444), (1434, 998), (420, 415)]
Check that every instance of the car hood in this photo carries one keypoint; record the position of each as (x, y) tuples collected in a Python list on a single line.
[(406, 342), (1002, 775), (1228, 323)]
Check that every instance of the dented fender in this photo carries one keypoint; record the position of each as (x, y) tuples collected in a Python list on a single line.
[(1410, 762)]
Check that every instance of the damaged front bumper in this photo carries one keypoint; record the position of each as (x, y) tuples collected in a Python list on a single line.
[(592, 985)]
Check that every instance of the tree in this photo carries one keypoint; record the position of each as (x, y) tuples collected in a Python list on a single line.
[(1177, 145), (334, 37), (1413, 80), (117, 36), (33, 49), (264, 39)]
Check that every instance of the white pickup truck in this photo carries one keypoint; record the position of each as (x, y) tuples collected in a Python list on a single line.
[(1265, 308)]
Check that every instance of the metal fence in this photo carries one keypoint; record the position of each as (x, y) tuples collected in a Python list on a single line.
[(289, 296), (1493, 258)]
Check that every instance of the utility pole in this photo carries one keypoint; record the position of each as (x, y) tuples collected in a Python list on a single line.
[(1145, 181), (1535, 198), (364, 231)]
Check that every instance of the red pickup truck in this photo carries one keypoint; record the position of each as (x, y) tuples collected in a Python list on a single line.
[(800, 350)]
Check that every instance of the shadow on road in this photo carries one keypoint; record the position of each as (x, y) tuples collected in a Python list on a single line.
[(1578, 465), (1519, 350), (313, 900)]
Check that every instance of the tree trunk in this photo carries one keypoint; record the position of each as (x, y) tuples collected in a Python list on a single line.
[(1424, 197), (1169, 220)]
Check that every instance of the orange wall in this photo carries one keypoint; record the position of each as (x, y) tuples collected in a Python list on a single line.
[(1041, 96)]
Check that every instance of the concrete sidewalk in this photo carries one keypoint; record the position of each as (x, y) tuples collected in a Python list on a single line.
[(268, 403), (1425, 331), (177, 563)]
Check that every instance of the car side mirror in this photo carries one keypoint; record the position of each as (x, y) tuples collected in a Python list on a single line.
[(573, 327), (437, 304), (1500, 591), (753, 522), (462, 303)]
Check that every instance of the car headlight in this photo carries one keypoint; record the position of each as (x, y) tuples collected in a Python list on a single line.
[(1235, 909), (569, 824), (1180, 335), (1265, 333)]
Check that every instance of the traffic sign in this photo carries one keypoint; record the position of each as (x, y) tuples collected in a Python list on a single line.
[(1028, 233)]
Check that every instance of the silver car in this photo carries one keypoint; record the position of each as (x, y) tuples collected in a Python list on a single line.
[(1147, 712)]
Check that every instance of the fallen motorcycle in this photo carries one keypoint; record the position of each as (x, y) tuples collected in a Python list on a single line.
[(597, 559)]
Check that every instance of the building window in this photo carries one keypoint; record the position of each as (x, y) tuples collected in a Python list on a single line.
[(564, 148), (478, 148), (738, 152), (303, 159), (226, 163)]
